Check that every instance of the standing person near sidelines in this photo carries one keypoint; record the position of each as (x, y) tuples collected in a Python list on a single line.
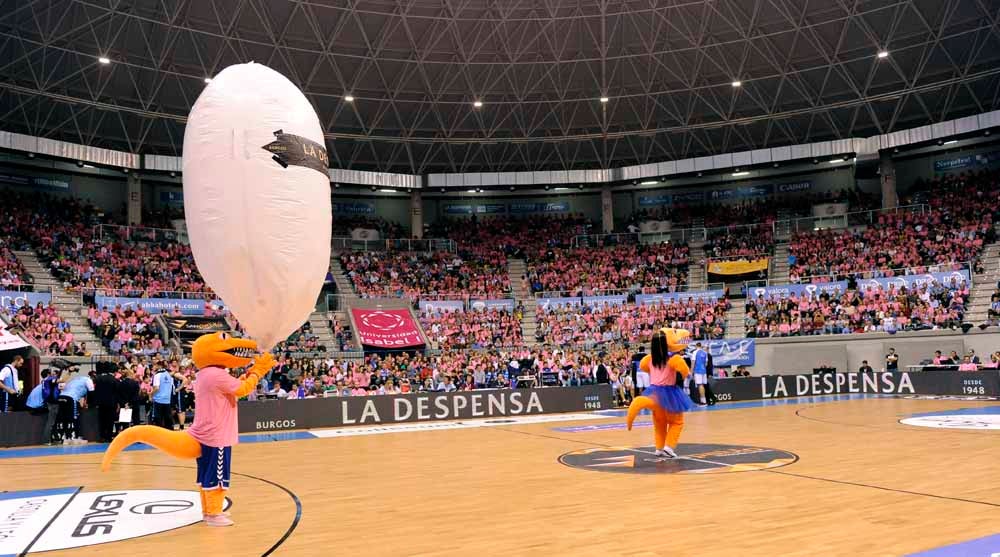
[(699, 365), (710, 368), (641, 375), (163, 391), (9, 384), (73, 398), (44, 399)]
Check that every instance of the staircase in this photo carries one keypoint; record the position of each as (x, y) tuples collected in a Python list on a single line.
[(779, 265), (983, 286), (320, 325), (516, 268), (344, 286), (734, 320), (697, 275), (69, 305)]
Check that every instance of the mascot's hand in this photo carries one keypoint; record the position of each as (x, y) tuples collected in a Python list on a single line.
[(263, 364)]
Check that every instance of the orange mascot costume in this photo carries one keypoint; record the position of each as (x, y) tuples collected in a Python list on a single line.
[(665, 397), (215, 429)]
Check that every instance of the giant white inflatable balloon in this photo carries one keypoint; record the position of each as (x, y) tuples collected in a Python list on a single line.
[(257, 199)]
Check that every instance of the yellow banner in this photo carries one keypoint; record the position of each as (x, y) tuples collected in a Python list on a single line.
[(737, 267)]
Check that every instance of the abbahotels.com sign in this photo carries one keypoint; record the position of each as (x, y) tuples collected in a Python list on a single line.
[(419, 407)]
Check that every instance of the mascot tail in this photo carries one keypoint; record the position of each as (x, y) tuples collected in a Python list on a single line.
[(639, 403), (177, 444)]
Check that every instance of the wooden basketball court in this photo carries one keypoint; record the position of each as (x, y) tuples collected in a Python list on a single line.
[(862, 484)]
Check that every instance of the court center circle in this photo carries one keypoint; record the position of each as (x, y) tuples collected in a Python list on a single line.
[(693, 458), (955, 421)]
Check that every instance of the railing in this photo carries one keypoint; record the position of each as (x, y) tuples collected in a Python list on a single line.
[(868, 274), (677, 236), (791, 226), (142, 293), (36, 288), (347, 243), (138, 233), (630, 292), (576, 293), (601, 240)]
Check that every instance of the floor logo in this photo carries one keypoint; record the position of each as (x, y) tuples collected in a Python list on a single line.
[(692, 459), (955, 421), (66, 518)]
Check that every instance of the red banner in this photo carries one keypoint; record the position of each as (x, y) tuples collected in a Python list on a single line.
[(387, 328)]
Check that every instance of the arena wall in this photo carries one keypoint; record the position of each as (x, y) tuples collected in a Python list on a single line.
[(803, 354)]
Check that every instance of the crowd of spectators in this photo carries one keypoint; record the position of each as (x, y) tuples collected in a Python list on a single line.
[(630, 323), (126, 331), (478, 329), (890, 310), (512, 237), (344, 224), (448, 371), (436, 275), (637, 268), (740, 241), (757, 211), (44, 328), (949, 235), (302, 340), (11, 270)]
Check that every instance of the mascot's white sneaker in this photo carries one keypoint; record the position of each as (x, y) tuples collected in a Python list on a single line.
[(218, 520), (667, 452)]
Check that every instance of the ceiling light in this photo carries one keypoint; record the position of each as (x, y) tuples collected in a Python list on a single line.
[(950, 141), (336, 186), (547, 187), (104, 60), (374, 188), (883, 54), (699, 174), (349, 98), (738, 174), (443, 190), (79, 163), (737, 83), (648, 183), (173, 174), (512, 188), (605, 99), (836, 161), (580, 186), (208, 80), (479, 190), (776, 165), (471, 191), (31, 155), (387, 190), (478, 104), (88, 166)]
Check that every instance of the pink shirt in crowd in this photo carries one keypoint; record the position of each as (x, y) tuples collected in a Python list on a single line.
[(215, 422)]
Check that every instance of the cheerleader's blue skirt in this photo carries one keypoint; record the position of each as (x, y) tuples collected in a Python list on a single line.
[(669, 397)]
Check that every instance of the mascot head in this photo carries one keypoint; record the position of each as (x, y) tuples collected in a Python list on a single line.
[(222, 350), (667, 342), (677, 339)]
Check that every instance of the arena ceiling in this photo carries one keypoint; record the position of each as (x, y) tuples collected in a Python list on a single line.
[(808, 70)]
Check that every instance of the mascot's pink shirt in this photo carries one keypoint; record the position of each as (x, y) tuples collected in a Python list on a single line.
[(215, 419)]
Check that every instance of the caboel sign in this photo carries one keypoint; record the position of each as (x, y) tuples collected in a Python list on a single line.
[(67, 518)]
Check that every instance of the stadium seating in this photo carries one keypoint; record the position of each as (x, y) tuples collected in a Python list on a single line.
[(487, 328), (629, 323)]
